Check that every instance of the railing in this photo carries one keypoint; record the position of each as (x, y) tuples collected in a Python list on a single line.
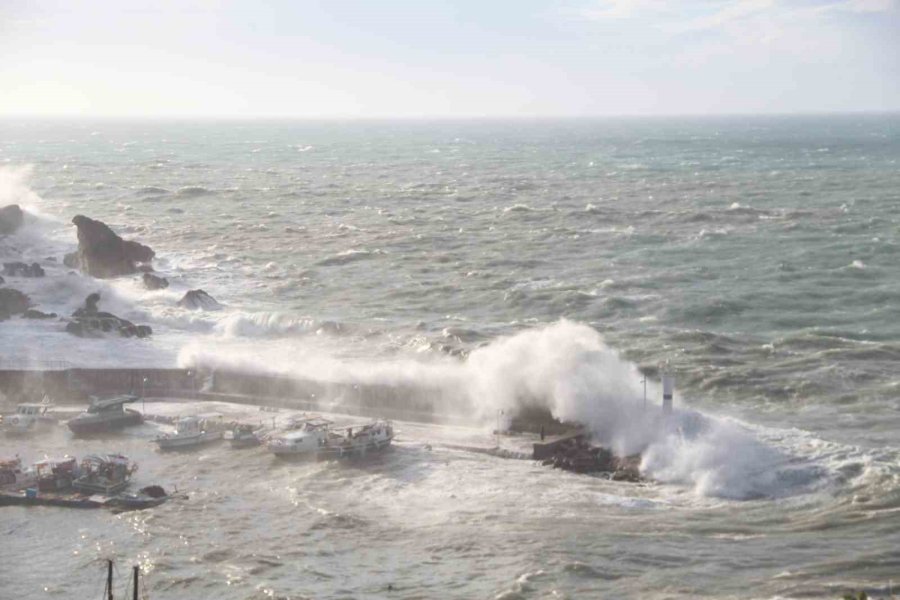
[(23, 364)]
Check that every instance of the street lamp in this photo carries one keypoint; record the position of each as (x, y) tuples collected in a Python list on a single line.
[(144, 395)]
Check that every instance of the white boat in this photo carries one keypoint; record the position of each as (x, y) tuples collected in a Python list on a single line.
[(106, 415), (193, 431), (29, 418), (245, 435), (316, 439), (104, 474)]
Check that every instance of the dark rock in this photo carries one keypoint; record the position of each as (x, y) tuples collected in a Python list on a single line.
[(91, 322), (11, 218), (199, 300), (13, 302), (36, 314), (102, 253), (20, 269), (154, 282)]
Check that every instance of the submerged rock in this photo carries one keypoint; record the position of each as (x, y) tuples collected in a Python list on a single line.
[(199, 300), (88, 321), (20, 269), (102, 253), (11, 218), (155, 282), (13, 302), (36, 314)]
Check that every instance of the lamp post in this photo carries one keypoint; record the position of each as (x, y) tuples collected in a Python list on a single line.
[(644, 381), (144, 395), (499, 412)]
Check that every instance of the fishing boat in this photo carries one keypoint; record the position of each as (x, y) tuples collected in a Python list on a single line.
[(54, 475), (245, 435), (29, 418), (316, 439), (105, 415), (193, 431), (303, 437), (359, 441), (104, 474), (13, 476)]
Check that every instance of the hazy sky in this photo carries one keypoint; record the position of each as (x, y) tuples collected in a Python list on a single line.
[(371, 58)]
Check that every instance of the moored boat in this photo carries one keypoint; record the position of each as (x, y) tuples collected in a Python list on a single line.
[(108, 414), (55, 475), (104, 474), (315, 438), (303, 437), (29, 418), (245, 435), (193, 431), (14, 477)]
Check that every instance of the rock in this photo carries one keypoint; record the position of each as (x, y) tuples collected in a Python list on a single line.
[(13, 302), (2, 281), (199, 300), (20, 269), (154, 282), (11, 218), (88, 321), (36, 314), (102, 253)]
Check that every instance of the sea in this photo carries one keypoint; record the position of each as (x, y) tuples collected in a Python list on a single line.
[(559, 263)]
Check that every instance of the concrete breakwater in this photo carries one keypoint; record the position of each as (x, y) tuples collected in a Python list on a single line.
[(397, 401)]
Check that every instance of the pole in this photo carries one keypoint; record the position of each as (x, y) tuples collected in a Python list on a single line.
[(644, 380), (109, 569), (137, 573)]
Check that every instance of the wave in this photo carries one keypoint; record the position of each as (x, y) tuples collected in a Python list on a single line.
[(349, 256), (273, 324), (193, 191), (566, 369)]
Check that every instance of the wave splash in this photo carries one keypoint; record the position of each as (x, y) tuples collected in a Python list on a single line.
[(567, 369)]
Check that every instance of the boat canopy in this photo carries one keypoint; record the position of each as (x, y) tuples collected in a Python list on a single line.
[(101, 405)]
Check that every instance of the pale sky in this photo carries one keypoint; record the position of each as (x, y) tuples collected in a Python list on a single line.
[(443, 58)]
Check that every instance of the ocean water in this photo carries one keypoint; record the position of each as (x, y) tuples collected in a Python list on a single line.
[(547, 262)]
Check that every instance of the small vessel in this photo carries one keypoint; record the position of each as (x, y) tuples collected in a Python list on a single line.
[(104, 474), (193, 431), (245, 435), (108, 414), (29, 418), (56, 475), (13, 476), (315, 438), (303, 437), (358, 441)]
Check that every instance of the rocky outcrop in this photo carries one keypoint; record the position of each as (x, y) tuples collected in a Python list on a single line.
[(12, 302), (11, 218), (89, 321), (20, 269), (155, 282), (102, 253), (199, 300), (580, 457)]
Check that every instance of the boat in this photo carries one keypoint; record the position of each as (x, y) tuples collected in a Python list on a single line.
[(245, 435), (13, 476), (315, 438), (29, 418), (104, 415), (302, 437), (359, 441), (56, 475), (104, 474), (193, 431)]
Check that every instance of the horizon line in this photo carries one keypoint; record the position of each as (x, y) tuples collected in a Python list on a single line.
[(437, 117)]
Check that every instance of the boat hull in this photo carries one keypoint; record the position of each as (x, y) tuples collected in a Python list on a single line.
[(333, 452), (175, 443), (106, 424)]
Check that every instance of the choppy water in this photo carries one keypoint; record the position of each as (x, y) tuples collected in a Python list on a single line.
[(757, 258)]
